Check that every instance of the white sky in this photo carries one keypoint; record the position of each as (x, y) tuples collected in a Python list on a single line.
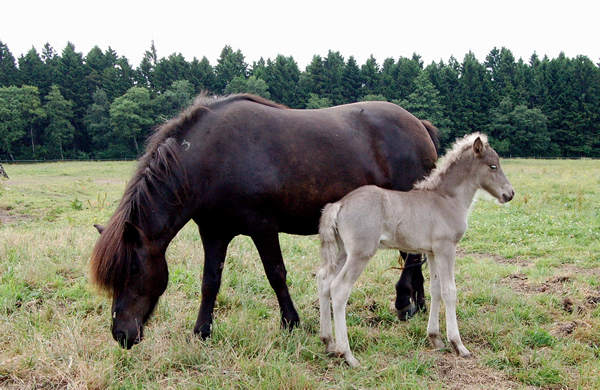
[(434, 29)]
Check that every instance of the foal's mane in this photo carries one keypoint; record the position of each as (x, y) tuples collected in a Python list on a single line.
[(460, 148), (159, 176)]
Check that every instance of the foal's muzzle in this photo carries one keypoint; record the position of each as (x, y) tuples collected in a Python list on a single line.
[(507, 196)]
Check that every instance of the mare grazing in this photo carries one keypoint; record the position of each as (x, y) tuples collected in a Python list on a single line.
[(246, 165), (429, 219), (3, 172)]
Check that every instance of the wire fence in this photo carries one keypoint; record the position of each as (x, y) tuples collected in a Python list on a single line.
[(7, 162)]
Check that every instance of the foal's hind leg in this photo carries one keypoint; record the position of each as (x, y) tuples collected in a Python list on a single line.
[(324, 279), (214, 260), (267, 244), (340, 291)]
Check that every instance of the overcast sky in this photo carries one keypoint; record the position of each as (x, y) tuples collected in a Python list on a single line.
[(434, 29)]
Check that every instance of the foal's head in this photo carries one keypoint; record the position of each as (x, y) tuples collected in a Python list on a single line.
[(488, 172), (134, 269)]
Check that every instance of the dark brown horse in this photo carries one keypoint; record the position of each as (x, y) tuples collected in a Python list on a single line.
[(245, 165)]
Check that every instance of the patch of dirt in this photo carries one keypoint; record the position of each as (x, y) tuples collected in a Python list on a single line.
[(497, 258), (562, 329), (6, 217), (519, 282), (470, 373)]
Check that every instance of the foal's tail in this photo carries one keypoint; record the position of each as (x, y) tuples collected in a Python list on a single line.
[(329, 238)]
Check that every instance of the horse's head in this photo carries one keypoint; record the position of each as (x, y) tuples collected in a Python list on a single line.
[(490, 174), (137, 275)]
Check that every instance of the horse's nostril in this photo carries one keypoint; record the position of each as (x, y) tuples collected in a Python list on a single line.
[(121, 338)]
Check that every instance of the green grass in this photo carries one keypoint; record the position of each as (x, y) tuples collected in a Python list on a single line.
[(528, 281)]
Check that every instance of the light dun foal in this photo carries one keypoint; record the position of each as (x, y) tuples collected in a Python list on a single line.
[(429, 219)]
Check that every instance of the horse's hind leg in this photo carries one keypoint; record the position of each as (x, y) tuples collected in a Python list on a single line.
[(267, 244), (214, 260), (418, 282)]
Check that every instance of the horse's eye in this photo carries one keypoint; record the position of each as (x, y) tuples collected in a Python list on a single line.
[(492, 167)]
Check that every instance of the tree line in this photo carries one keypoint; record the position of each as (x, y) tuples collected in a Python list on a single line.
[(67, 105)]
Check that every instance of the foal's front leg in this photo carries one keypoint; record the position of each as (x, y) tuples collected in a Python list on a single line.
[(433, 326), (445, 266)]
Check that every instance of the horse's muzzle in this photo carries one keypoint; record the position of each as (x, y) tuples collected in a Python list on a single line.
[(127, 341)]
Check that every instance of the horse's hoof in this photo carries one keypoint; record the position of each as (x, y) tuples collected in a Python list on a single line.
[(290, 324), (203, 332), (407, 312)]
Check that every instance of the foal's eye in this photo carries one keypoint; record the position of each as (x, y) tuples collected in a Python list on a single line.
[(492, 167)]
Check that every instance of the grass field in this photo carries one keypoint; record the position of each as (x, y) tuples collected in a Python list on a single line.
[(528, 279)]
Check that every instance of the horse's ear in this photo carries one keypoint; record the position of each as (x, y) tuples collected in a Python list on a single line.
[(100, 228), (133, 234), (478, 146)]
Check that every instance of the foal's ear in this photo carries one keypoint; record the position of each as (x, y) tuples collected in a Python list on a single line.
[(478, 147), (100, 228), (133, 234)]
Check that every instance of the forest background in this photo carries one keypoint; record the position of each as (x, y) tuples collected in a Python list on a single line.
[(98, 106)]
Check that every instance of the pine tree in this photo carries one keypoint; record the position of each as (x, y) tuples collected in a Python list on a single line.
[(351, 83), (282, 76), (34, 72), (168, 70), (71, 77), (333, 69), (424, 103), (229, 65), (369, 74), (9, 74), (315, 76), (202, 76)]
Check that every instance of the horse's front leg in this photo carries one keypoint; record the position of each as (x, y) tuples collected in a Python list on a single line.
[(214, 261), (269, 250), (433, 326), (445, 257)]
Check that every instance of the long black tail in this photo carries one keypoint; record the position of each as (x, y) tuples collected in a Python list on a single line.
[(434, 134)]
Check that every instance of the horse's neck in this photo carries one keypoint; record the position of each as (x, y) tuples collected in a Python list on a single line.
[(458, 184), (162, 223)]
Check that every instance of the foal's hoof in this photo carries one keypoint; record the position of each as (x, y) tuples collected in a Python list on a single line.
[(352, 362), (407, 312), (436, 341)]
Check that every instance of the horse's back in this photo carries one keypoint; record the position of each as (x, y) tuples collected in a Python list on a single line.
[(287, 164)]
